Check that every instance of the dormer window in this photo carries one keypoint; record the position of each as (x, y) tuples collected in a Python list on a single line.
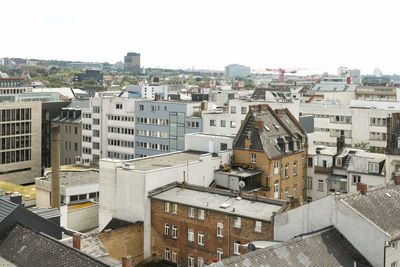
[(373, 167), (339, 162)]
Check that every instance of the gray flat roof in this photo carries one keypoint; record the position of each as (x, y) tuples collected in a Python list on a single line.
[(212, 201), (74, 178), (165, 160)]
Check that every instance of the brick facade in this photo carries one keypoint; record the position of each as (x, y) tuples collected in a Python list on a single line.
[(183, 248)]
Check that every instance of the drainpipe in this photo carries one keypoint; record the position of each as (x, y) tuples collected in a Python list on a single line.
[(229, 235), (280, 181)]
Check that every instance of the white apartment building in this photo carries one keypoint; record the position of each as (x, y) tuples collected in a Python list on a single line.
[(360, 122), (227, 122), (147, 91), (108, 128)]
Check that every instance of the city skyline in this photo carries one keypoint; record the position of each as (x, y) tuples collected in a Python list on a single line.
[(206, 35)]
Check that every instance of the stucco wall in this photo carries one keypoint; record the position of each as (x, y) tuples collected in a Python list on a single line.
[(84, 218)]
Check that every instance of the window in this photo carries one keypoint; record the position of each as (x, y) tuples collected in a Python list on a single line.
[(236, 247), (190, 261), (76, 130), (191, 212), (200, 238), (174, 208), (173, 256), (309, 182), (233, 110), (237, 222), (200, 214), (76, 146), (96, 121), (190, 235), (276, 167), (118, 106), (233, 124), (223, 123), (166, 229), (212, 123), (96, 109), (200, 262), (339, 162), (320, 185), (141, 107), (244, 110), (393, 264), (220, 227), (92, 195), (174, 232), (374, 168), (294, 191), (302, 161), (253, 158), (309, 162), (73, 198), (166, 207), (295, 168), (166, 254), (219, 254), (223, 146), (287, 170), (257, 226), (286, 193), (356, 179), (276, 190)]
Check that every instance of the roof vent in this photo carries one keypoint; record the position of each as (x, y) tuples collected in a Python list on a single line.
[(388, 195), (224, 205), (276, 126), (266, 128)]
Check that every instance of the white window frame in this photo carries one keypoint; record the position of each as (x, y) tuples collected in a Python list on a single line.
[(237, 222), (173, 256), (321, 185), (220, 254), (175, 208), (166, 253), (220, 228), (166, 207), (356, 179), (190, 260), (166, 229), (257, 226), (294, 191), (200, 214), (236, 247), (200, 262), (191, 212), (200, 238), (295, 168), (253, 158), (174, 232), (190, 235), (287, 170), (276, 167)]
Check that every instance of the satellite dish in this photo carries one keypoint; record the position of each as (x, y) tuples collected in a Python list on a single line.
[(242, 184), (251, 247)]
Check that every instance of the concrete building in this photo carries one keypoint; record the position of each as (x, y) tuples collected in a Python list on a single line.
[(208, 142), (90, 74), (360, 122), (234, 70), (21, 134), (108, 128), (227, 121), (132, 61), (13, 86), (367, 219), (79, 190), (161, 125), (378, 93), (147, 91), (274, 142), (70, 125), (124, 185), (192, 224)]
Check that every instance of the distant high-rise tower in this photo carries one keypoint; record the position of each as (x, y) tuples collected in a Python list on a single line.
[(132, 61), (377, 73)]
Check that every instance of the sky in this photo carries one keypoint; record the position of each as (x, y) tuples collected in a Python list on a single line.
[(315, 35)]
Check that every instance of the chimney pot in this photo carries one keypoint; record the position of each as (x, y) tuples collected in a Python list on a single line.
[(127, 261), (76, 241)]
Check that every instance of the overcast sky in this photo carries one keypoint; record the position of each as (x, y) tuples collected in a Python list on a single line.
[(318, 35)]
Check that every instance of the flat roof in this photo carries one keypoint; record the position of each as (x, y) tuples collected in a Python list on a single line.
[(212, 135), (165, 160), (74, 178), (28, 192), (212, 201), (241, 173)]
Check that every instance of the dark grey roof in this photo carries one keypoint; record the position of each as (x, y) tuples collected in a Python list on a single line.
[(24, 247), (380, 205), (6, 208), (47, 213), (326, 248)]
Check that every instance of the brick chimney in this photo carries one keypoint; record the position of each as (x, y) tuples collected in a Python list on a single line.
[(126, 261), (55, 167), (259, 125), (340, 142), (397, 179), (76, 241), (363, 188)]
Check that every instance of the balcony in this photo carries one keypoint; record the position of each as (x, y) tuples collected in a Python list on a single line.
[(320, 169)]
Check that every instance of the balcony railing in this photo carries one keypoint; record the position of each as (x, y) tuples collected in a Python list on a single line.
[(319, 169)]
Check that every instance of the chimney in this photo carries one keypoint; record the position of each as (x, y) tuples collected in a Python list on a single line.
[(397, 179), (126, 261), (348, 80), (16, 198), (259, 125), (363, 188), (340, 144), (76, 241), (55, 167)]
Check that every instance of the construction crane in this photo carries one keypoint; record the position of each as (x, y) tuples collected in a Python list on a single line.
[(282, 72)]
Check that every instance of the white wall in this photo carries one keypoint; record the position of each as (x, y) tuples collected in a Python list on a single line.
[(201, 142), (84, 218)]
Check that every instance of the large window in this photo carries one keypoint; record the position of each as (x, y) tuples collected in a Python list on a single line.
[(190, 235), (200, 238), (220, 253), (356, 178), (237, 222), (174, 232), (166, 254), (200, 214), (309, 162), (276, 167), (220, 227), (287, 170), (190, 261), (166, 229), (309, 182), (191, 212), (236, 247), (320, 185), (257, 226)]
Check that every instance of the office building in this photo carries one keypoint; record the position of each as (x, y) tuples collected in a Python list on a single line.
[(89, 74), (234, 70), (132, 61)]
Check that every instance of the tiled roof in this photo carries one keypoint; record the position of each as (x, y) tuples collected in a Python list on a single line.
[(380, 205), (24, 247), (326, 248), (90, 244), (6, 208)]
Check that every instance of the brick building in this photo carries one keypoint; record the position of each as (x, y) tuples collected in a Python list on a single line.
[(193, 225), (274, 142)]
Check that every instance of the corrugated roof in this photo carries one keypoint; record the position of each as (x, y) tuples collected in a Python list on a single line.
[(47, 213), (6, 208)]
